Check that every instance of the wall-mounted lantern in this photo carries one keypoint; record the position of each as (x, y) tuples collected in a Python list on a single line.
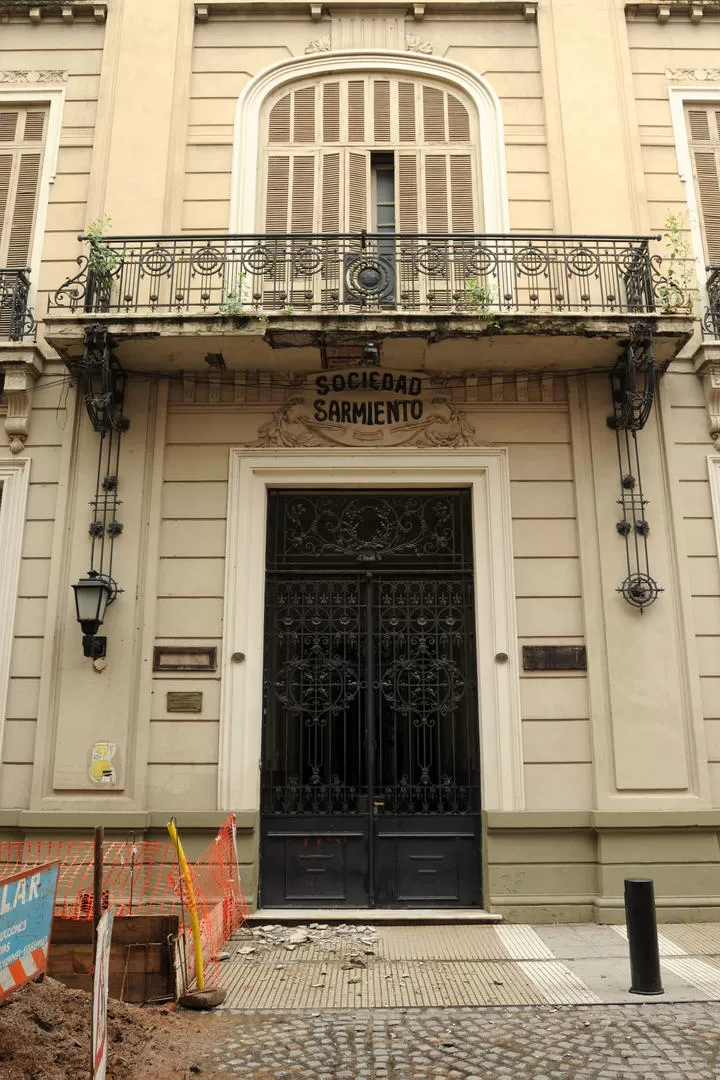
[(92, 595)]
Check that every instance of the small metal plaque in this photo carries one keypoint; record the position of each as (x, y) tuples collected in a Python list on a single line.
[(184, 658), (184, 701), (554, 657)]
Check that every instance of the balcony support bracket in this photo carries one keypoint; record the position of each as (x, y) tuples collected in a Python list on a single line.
[(102, 380), (18, 383)]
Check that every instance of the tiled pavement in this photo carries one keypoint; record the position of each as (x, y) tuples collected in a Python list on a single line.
[(413, 1012), (459, 966)]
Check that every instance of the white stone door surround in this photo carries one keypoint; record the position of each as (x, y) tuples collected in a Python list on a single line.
[(485, 471)]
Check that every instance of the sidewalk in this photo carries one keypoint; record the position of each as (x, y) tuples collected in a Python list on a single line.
[(445, 966)]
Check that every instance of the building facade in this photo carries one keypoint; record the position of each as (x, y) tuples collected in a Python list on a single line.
[(362, 363)]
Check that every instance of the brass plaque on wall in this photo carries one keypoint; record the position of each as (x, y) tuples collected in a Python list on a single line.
[(554, 658), (187, 701)]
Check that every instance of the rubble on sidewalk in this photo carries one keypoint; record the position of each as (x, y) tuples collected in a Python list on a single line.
[(251, 942)]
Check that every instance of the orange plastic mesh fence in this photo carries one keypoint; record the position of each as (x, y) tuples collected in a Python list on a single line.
[(141, 877)]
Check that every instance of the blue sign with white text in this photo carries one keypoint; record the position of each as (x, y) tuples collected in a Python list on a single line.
[(27, 900)]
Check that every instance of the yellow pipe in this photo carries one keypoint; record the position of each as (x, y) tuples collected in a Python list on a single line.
[(192, 906)]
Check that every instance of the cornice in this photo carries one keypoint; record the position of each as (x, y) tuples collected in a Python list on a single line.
[(662, 10), (224, 9), (38, 11)]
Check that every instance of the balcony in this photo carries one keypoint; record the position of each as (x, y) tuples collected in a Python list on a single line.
[(16, 320), (711, 318), (461, 301)]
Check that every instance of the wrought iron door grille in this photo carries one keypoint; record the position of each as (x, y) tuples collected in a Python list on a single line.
[(370, 691), (427, 530)]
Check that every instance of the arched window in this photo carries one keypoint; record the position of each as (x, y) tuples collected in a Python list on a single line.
[(374, 151)]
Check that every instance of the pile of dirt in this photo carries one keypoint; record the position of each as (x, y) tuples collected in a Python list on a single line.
[(45, 1035)]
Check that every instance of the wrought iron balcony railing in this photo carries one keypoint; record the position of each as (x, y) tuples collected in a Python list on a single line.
[(711, 318), (16, 319), (261, 275)]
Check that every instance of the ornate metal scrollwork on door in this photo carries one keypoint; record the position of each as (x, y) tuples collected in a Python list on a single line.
[(633, 383)]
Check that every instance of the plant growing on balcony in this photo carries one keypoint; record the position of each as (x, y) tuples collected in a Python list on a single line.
[(103, 262), (479, 298), (676, 288), (232, 302)]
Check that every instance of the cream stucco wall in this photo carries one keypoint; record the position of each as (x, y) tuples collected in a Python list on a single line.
[(147, 138)]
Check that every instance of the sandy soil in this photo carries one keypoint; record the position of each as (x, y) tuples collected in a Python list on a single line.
[(45, 1035)]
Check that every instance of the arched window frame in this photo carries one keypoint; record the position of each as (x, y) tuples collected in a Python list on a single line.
[(247, 148)]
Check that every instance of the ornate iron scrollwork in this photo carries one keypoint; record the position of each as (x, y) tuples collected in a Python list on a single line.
[(102, 381), (633, 383)]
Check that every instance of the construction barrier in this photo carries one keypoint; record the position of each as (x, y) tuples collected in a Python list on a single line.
[(142, 877)]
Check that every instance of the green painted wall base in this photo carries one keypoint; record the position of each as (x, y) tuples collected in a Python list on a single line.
[(553, 867)]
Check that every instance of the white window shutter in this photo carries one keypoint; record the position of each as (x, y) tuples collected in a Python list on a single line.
[(22, 143), (704, 127)]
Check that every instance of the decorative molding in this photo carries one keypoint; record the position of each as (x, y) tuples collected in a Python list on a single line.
[(18, 390), (414, 44), (711, 384), (14, 479), (65, 12), (692, 74), (486, 473), (294, 425), (27, 77), (318, 45), (247, 142)]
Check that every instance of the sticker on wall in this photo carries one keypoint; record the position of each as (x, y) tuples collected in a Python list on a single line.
[(101, 769)]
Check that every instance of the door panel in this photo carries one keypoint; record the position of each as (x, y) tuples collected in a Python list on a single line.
[(370, 784)]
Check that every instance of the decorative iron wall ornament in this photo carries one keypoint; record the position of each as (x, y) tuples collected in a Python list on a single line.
[(102, 381), (633, 383)]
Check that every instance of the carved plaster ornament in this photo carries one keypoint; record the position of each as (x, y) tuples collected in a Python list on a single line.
[(18, 391), (711, 380), (318, 45), (28, 77), (414, 44), (295, 426), (692, 74)]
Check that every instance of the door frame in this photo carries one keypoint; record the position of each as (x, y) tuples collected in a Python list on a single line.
[(485, 470)]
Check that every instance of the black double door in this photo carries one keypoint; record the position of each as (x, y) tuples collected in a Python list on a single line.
[(370, 771)]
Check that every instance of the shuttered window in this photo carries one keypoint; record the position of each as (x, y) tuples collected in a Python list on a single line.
[(704, 126), (322, 136), (22, 144)]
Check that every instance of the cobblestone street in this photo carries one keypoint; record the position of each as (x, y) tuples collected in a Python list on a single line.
[(616, 1042)]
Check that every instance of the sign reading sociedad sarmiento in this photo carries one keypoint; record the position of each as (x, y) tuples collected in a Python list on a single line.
[(368, 396), (26, 911)]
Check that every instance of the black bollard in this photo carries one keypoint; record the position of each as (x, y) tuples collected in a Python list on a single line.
[(642, 936)]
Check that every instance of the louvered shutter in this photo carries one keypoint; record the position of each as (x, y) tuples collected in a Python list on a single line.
[(356, 111), (406, 193), (22, 142), (277, 194), (330, 209), (331, 112), (358, 190), (704, 127), (381, 110)]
